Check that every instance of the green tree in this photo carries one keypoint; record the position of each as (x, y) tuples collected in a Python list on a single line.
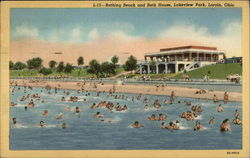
[(60, 67), (94, 67), (108, 68), (80, 61), (68, 68), (11, 65), (52, 64), (115, 60), (45, 71), (19, 66), (130, 64), (34, 63)]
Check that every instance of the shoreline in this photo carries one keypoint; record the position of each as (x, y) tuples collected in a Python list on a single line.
[(134, 89)]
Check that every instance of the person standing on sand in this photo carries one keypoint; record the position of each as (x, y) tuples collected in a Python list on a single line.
[(172, 96), (225, 98)]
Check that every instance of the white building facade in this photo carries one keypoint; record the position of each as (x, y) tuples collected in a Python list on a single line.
[(178, 59)]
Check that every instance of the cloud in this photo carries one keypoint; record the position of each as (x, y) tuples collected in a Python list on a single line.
[(103, 44), (23, 31), (229, 39)]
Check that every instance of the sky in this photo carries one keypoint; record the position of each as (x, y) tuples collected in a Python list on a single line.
[(102, 32)]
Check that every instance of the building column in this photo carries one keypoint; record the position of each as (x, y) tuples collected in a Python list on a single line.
[(157, 68), (197, 56), (190, 56), (166, 68), (176, 67), (148, 69), (140, 69)]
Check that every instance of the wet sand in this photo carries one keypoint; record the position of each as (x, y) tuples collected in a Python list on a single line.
[(143, 89)]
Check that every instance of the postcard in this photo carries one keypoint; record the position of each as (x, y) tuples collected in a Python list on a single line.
[(124, 79)]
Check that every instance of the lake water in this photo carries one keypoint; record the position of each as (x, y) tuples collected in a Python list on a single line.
[(87, 132)]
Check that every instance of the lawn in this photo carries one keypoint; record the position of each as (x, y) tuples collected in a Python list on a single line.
[(75, 73), (218, 71)]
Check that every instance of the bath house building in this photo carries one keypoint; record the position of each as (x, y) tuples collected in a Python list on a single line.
[(177, 59)]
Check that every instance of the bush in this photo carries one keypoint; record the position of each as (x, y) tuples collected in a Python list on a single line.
[(45, 71)]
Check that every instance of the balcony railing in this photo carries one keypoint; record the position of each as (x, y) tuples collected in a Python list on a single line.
[(183, 59)]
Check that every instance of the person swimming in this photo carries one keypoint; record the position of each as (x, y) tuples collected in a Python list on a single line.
[(136, 124), (219, 108), (146, 107), (25, 108), (198, 126), (63, 125), (215, 99), (98, 115), (77, 111), (212, 120), (14, 120), (236, 113), (152, 117), (171, 126), (225, 126), (63, 99), (42, 124), (45, 113), (237, 121), (177, 124), (163, 125), (162, 117)]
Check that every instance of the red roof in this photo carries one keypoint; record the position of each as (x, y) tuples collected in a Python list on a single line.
[(189, 47)]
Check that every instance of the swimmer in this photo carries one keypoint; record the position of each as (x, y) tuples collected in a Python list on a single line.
[(77, 111), (42, 124), (211, 121), (63, 125), (237, 121), (59, 116), (146, 107), (98, 115), (136, 124), (219, 108), (25, 108), (224, 126), (125, 108), (93, 106), (162, 117), (236, 113), (152, 117), (170, 125), (198, 126), (63, 99), (177, 124), (14, 120), (67, 109), (163, 125), (45, 113), (215, 99)]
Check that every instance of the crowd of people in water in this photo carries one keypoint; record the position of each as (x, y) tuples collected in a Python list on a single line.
[(193, 113)]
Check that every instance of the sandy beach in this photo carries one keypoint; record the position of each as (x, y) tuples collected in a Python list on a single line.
[(137, 89)]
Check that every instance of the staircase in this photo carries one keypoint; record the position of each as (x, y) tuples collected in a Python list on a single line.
[(191, 67)]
